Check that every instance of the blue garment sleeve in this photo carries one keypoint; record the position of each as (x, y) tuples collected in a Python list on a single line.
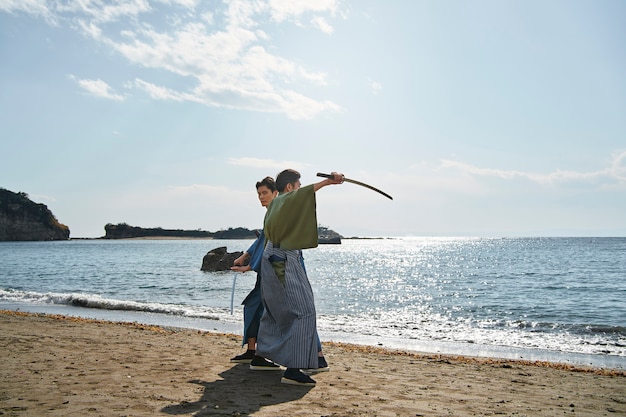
[(256, 252), (252, 247)]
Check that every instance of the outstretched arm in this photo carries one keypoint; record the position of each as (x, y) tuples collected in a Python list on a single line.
[(238, 264), (336, 179), (242, 259), (245, 268)]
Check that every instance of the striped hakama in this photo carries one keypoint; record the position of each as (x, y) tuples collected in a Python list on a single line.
[(288, 328)]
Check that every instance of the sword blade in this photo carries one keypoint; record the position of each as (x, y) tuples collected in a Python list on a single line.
[(232, 294), (362, 184)]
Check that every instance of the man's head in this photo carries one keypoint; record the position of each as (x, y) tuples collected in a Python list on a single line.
[(266, 190), (288, 180)]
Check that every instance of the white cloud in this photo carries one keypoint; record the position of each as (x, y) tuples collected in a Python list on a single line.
[(230, 71), (288, 9), (175, 191), (98, 88), (322, 24), (376, 87), (208, 17), (162, 93), (225, 58), (36, 8), (190, 4), (91, 30), (616, 171), (104, 12), (618, 166)]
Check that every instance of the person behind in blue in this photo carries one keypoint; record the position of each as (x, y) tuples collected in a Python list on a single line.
[(253, 307)]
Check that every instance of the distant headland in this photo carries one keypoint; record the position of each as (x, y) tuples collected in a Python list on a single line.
[(24, 220), (125, 231)]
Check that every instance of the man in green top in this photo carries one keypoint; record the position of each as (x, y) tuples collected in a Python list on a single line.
[(288, 329)]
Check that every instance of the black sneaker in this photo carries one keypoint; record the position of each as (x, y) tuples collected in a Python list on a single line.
[(262, 364), (293, 376), (322, 366), (244, 357)]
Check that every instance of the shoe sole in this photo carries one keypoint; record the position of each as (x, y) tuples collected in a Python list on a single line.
[(312, 371), (288, 381), (265, 368), (240, 360)]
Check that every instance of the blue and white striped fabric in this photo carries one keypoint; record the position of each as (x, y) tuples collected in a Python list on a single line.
[(288, 329)]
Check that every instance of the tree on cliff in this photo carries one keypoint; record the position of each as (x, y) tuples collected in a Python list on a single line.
[(22, 219)]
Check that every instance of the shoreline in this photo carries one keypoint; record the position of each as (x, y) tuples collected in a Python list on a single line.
[(212, 238), (60, 365), (147, 238), (353, 347), (232, 324)]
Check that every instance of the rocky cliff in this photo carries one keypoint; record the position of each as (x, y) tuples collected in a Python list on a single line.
[(22, 219)]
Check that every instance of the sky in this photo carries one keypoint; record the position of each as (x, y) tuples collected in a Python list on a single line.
[(482, 118)]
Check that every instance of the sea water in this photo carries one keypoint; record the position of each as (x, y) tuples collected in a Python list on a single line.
[(554, 299)]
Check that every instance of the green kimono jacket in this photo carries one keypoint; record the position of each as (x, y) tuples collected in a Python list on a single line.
[(291, 220)]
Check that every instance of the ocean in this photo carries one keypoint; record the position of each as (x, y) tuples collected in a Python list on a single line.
[(544, 299)]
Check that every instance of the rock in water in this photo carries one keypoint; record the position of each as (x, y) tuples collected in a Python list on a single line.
[(219, 259)]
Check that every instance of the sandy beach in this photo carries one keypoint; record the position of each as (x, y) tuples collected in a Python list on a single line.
[(65, 366)]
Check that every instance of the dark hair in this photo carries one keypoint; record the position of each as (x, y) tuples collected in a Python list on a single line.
[(268, 182), (288, 176)]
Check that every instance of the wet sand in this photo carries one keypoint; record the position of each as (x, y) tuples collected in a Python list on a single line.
[(67, 366)]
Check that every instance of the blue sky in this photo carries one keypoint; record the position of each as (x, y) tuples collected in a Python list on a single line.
[(480, 118)]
